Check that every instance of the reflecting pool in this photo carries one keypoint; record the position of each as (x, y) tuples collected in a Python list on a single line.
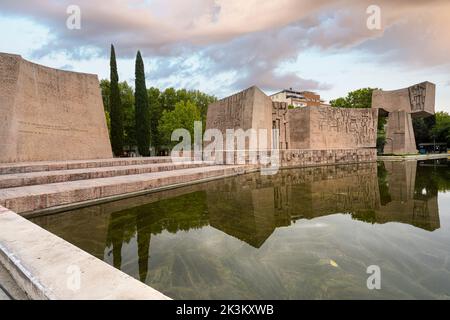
[(307, 233)]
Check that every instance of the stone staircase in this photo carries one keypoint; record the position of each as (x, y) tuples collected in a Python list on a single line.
[(38, 186)]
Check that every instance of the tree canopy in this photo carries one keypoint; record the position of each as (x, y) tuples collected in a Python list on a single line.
[(441, 130), (126, 93), (182, 116), (115, 106), (142, 113), (158, 102), (361, 98)]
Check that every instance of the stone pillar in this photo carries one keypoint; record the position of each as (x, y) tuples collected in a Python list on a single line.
[(400, 134)]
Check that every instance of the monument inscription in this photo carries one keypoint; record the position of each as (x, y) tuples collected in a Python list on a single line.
[(49, 114)]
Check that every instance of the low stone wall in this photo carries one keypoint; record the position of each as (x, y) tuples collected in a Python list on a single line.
[(303, 158), (63, 273)]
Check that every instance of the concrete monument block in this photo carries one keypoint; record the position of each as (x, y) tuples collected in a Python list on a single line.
[(318, 128), (322, 128), (402, 105), (248, 109), (400, 134), (49, 114)]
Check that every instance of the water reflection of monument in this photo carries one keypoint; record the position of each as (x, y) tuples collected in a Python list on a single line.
[(262, 204), (251, 207)]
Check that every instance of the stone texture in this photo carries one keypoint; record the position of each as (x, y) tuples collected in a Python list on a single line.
[(49, 114), (322, 128), (31, 198), (9, 288), (400, 134), (307, 158), (45, 274), (314, 128), (402, 105), (46, 177), (24, 167), (248, 109)]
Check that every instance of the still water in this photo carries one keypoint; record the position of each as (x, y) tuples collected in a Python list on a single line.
[(306, 233)]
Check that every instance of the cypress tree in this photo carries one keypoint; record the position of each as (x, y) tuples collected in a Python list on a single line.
[(142, 109), (116, 108)]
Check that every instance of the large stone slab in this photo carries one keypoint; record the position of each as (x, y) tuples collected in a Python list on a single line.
[(248, 109), (401, 106), (419, 99), (312, 128), (49, 114), (325, 128)]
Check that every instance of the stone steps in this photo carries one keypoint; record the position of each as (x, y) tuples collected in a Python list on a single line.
[(38, 197), (47, 177), (24, 167)]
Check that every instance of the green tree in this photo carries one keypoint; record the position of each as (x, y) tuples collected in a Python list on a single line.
[(182, 116), (154, 103), (441, 130), (115, 104), (142, 109), (340, 103), (129, 128), (105, 89), (423, 129), (361, 98), (127, 101), (168, 99)]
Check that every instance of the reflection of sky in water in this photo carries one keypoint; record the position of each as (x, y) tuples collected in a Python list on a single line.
[(306, 233)]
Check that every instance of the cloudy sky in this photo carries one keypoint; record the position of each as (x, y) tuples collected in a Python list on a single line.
[(223, 46)]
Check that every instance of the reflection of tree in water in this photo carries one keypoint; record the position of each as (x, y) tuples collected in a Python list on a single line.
[(252, 206), (185, 213), (433, 176), (385, 196)]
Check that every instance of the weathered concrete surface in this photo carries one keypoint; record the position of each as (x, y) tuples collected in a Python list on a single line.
[(414, 157), (307, 158), (248, 109), (48, 274), (47, 177), (314, 128), (30, 198), (402, 105), (323, 128), (23, 167), (419, 99), (49, 114), (400, 134)]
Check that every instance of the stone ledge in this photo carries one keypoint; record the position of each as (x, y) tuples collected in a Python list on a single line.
[(31, 198), (40, 263), (47, 177), (415, 157), (24, 167)]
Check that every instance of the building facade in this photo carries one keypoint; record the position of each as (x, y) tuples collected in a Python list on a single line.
[(298, 99)]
